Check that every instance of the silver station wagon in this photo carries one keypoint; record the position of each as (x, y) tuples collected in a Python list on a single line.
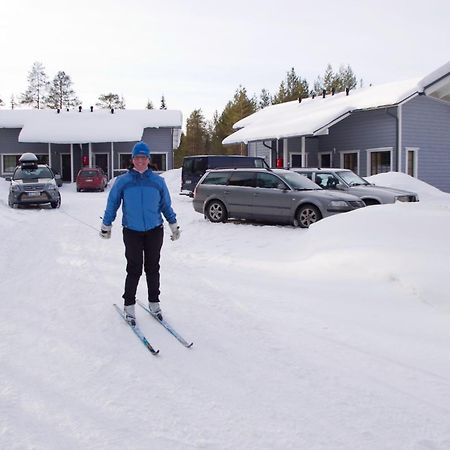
[(268, 195), (345, 180)]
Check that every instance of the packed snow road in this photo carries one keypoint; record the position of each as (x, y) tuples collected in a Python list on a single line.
[(335, 337)]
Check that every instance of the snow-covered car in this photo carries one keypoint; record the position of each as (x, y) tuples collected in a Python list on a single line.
[(345, 180), (33, 183), (272, 195)]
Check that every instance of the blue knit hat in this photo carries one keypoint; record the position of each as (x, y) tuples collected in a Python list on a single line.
[(140, 149)]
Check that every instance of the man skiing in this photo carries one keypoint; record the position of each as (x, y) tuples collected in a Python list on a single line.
[(145, 199)]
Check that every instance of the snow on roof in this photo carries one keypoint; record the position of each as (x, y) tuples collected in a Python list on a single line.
[(75, 127), (313, 116)]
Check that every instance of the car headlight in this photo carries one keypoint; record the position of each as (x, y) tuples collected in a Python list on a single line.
[(402, 198), (336, 204), (15, 187), (51, 186)]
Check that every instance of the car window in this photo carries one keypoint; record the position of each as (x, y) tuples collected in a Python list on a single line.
[(242, 179), (297, 181), (88, 173), (352, 179), (306, 174), (326, 180), (219, 178), (32, 173), (269, 181)]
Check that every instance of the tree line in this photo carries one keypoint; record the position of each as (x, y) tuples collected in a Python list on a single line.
[(59, 93), (205, 137), (202, 136)]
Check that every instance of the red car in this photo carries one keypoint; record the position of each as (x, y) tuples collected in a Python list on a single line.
[(91, 179)]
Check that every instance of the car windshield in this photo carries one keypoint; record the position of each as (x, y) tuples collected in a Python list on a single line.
[(32, 173), (352, 179), (89, 173), (299, 182)]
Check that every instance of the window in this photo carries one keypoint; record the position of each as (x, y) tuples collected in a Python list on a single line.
[(326, 180), (411, 161), (10, 162), (325, 159), (219, 178), (125, 161), (349, 160), (269, 181), (242, 179), (159, 161), (379, 161)]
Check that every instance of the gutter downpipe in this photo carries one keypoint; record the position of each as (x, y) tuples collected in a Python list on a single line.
[(112, 160), (90, 154), (285, 153), (50, 154)]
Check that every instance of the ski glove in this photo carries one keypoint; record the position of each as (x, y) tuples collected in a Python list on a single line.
[(175, 229), (105, 231)]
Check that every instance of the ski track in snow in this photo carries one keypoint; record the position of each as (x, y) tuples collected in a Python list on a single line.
[(335, 337)]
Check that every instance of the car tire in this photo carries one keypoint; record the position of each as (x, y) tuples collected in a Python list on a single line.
[(216, 212), (56, 204), (78, 190), (11, 204), (306, 215)]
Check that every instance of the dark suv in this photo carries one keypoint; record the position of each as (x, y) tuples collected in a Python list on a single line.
[(194, 167), (33, 183), (272, 195)]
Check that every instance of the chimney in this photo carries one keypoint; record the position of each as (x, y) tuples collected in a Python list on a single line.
[(347, 90), (333, 91), (299, 99), (324, 92), (67, 109), (92, 108), (79, 109), (112, 110), (313, 95), (58, 111)]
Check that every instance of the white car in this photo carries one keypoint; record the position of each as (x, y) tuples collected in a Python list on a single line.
[(345, 180)]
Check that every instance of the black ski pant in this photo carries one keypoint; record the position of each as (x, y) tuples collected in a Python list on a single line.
[(142, 249)]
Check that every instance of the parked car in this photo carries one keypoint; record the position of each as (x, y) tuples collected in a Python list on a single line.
[(91, 179), (272, 195), (33, 183), (194, 167), (345, 180), (57, 175)]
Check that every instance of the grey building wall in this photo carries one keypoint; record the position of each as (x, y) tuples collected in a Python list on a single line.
[(426, 126), (160, 141), (9, 143), (361, 131)]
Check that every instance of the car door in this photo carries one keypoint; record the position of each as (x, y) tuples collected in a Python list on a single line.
[(239, 193), (272, 199)]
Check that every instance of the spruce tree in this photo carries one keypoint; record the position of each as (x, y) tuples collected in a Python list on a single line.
[(291, 88), (61, 94), (149, 105), (38, 85), (265, 99), (110, 101), (13, 102), (1, 102)]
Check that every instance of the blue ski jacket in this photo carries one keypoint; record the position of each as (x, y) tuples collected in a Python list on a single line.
[(144, 197)]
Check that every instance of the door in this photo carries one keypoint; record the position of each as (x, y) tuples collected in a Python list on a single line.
[(66, 167), (272, 199), (239, 193), (101, 160)]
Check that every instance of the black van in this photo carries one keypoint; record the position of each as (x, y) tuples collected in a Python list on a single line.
[(195, 166)]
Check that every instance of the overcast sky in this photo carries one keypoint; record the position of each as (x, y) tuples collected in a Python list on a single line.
[(196, 53)]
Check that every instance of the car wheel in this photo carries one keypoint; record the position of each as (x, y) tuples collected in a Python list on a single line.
[(216, 212), (56, 204), (11, 204), (307, 215), (78, 190)]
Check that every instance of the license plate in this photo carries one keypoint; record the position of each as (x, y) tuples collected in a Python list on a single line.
[(89, 181), (33, 194)]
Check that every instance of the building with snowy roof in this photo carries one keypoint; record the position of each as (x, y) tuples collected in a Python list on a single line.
[(68, 140), (401, 126)]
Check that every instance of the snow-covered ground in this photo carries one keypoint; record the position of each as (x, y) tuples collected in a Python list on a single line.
[(336, 337)]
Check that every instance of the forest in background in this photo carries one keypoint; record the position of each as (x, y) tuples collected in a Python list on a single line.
[(202, 136)]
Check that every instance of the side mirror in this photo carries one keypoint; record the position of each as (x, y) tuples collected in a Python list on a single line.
[(7, 178), (341, 187), (281, 186)]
